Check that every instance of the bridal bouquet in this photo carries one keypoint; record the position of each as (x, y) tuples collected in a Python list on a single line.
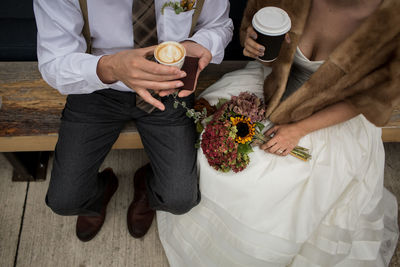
[(230, 129)]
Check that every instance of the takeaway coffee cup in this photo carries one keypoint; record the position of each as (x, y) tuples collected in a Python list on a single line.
[(170, 53), (271, 25)]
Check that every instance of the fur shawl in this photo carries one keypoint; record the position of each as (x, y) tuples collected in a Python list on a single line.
[(364, 70)]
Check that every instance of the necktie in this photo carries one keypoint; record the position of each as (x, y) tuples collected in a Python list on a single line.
[(144, 23), (145, 31), (145, 34)]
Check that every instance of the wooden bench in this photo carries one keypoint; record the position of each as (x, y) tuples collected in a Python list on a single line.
[(30, 116)]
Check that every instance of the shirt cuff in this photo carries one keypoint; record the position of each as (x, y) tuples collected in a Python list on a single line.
[(216, 57), (89, 72)]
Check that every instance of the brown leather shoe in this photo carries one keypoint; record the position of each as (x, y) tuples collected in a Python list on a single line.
[(140, 215), (88, 226)]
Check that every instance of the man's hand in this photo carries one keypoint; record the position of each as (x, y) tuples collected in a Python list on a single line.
[(195, 50), (133, 69)]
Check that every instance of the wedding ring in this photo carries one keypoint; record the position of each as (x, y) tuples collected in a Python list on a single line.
[(280, 151)]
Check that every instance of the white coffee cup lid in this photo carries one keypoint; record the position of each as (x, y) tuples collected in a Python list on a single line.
[(271, 21)]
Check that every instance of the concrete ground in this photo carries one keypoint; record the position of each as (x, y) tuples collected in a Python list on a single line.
[(31, 235)]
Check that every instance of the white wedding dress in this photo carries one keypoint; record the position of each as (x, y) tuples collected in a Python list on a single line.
[(281, 211)]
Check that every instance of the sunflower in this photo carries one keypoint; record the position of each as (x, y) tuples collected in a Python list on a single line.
[(245, 129), (187, 4)]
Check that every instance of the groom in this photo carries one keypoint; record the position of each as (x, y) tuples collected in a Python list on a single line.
[(109, 86)]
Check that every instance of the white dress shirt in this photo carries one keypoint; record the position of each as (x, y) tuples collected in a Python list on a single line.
[(61, 47)]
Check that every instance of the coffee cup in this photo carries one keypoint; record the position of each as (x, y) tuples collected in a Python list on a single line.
[(271, 25), (170, 54)]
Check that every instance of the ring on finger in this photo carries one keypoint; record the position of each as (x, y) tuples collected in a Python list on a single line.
[(280, 151)]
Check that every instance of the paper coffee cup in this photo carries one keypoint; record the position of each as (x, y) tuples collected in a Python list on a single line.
[(271, 25), (170, 54)]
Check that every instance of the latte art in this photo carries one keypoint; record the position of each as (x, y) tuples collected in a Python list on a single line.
[(169, 53)]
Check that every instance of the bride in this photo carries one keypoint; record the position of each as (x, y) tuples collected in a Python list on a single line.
[(330, 87)]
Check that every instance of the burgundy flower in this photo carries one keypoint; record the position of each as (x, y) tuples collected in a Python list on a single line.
[(248, 105), (220, 148), (218, 140), (201, 103)]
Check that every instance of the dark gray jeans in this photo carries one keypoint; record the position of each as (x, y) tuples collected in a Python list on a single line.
[(90, 125)]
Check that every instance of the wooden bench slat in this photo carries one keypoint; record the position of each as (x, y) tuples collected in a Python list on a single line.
[(126, 140), (391, 134), (31, 109), (129, 140)]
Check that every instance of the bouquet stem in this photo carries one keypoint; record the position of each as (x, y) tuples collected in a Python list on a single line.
[(298, 152)]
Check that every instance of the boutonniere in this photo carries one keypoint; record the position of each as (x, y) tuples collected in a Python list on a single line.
[(178, 7)]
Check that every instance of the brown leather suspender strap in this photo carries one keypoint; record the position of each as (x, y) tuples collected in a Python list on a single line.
[(196, 15), (86, 28)]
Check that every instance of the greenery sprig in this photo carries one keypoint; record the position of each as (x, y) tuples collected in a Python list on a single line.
[(178, 7), (197, 116)]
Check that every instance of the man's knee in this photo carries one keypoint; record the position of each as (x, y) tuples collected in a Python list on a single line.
[(70, 204), (62, 205), (67, 200), (180, 205), (182, 201), (73, 191)]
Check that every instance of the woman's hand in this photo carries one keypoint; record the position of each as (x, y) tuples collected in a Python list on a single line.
[(285, 139), (286, 136), (251, 47)]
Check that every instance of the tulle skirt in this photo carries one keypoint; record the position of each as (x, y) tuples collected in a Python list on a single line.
[(281, 211)]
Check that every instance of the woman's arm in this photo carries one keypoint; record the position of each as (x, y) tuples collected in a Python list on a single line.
[(287, 136)]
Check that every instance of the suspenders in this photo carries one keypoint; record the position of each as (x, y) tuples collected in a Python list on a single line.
[(86, 28), (196, 15)]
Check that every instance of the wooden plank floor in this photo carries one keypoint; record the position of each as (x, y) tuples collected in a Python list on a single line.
[(48, 240), (12, 199)]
